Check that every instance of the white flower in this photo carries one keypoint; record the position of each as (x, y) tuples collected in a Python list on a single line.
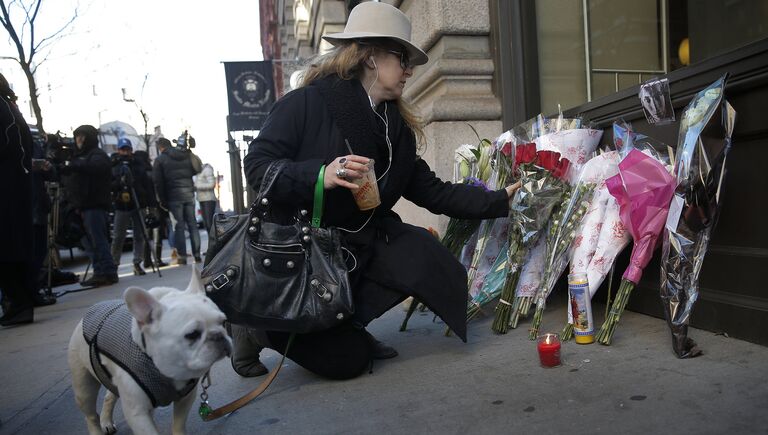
[(465, 153)]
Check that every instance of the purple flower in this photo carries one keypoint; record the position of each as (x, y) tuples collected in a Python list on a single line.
[(474, 181)]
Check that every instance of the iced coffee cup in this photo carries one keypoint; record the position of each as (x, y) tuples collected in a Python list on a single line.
[(367, 196)]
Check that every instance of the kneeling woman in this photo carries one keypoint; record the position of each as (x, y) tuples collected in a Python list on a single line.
[(349, 110)]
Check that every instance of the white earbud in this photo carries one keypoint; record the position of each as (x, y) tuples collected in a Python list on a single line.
[(374, 62)]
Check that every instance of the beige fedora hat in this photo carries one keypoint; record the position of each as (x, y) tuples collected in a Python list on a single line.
[(379, 20)]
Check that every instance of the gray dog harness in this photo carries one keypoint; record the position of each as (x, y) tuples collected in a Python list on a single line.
[(107, 330)]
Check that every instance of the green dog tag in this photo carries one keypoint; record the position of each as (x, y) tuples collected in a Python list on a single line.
[(204, 410)]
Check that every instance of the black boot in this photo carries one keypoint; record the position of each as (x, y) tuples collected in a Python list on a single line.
[(98, 280), (245, 352), (379, 349), (137, 270), (42, 299)]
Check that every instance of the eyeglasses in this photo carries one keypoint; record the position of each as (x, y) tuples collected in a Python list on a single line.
[(405, 63)]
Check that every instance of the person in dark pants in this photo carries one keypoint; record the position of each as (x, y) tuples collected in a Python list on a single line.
[(172, 174), (347, 112), (87, 180), (205, 182), (129, 178), (16, 256)]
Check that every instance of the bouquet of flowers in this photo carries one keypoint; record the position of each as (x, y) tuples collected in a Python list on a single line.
[(472, 167), (699, 170), (493, 233), (643, 189), (578, 146), (562, 230), (543, 175), (602, 235), (576, 142)]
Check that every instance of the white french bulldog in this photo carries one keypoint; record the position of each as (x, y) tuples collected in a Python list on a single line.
[(152, 349)]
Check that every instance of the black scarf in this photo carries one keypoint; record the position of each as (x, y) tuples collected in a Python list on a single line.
[(351, 110)]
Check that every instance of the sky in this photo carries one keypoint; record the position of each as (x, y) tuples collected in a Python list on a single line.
[(167, 56)]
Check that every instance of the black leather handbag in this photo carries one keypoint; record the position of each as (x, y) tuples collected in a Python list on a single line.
[(278, 277)]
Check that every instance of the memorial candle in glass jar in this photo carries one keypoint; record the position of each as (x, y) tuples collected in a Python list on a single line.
[(549, 350)]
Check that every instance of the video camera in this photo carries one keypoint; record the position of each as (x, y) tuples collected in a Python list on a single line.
[(185, 140), (59, 149)]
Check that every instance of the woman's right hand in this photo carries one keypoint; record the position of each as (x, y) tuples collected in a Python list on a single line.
[(343, 169)]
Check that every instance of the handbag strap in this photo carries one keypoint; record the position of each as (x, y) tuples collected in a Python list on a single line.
[(256, 392), (317, 208), (270, 175)]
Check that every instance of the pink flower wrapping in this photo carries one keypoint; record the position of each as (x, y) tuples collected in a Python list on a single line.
[(643, 188)]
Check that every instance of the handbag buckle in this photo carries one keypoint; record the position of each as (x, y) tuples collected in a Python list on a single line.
[(220, 281), (326, 294)]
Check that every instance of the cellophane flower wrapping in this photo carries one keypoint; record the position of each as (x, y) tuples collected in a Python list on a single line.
[(579, 147), (493, 233), (602, 235), (543, 175), (699, 172), (560, 235), (571, 139), (576, 142), (643, 188)]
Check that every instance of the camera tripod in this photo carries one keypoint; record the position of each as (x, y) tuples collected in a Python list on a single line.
[(52, 231), (126, 172)]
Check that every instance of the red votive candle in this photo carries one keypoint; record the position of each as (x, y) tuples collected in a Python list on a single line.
[(549, 350)]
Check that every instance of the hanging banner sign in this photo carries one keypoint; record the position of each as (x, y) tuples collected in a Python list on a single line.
[(250, 92)]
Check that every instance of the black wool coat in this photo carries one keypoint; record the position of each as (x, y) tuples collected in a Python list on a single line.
[(87, 179), (16, 180), (311, 126), (131, 173)]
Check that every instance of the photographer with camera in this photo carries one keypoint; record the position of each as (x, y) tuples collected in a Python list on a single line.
[(87, 178), (16, 255), (130, 187), (172, 173)]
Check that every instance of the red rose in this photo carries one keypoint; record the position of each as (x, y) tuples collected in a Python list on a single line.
[(507, 149), (548, 160), (525, 153)]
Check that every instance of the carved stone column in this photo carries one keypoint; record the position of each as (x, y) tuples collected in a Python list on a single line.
[(454, 88)]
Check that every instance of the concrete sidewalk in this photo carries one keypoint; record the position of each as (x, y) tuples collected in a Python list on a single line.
[(493, 384)]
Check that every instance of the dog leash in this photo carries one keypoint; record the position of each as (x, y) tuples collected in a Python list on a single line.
[(208, 414)]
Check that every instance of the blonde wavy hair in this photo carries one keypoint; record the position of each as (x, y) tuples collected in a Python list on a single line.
[(346, 61)]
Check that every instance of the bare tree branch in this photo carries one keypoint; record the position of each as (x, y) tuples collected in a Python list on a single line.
[(12, 32), (42, 44), (31, 21), (31, 11)]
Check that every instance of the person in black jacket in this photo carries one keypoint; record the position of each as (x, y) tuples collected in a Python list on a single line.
[(172, 173), (16, 255), (347, 111), (155, 217), (129, 178), (87, 180)]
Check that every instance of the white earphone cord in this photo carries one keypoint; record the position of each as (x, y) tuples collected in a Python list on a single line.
[(385, 120), (18, 132)]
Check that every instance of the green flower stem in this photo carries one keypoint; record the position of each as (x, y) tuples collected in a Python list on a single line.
[(504, 307), (567, 332), (536, 323), (411, 310), (605, 335)]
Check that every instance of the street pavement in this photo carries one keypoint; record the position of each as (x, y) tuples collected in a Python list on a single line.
[(491, 385)]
